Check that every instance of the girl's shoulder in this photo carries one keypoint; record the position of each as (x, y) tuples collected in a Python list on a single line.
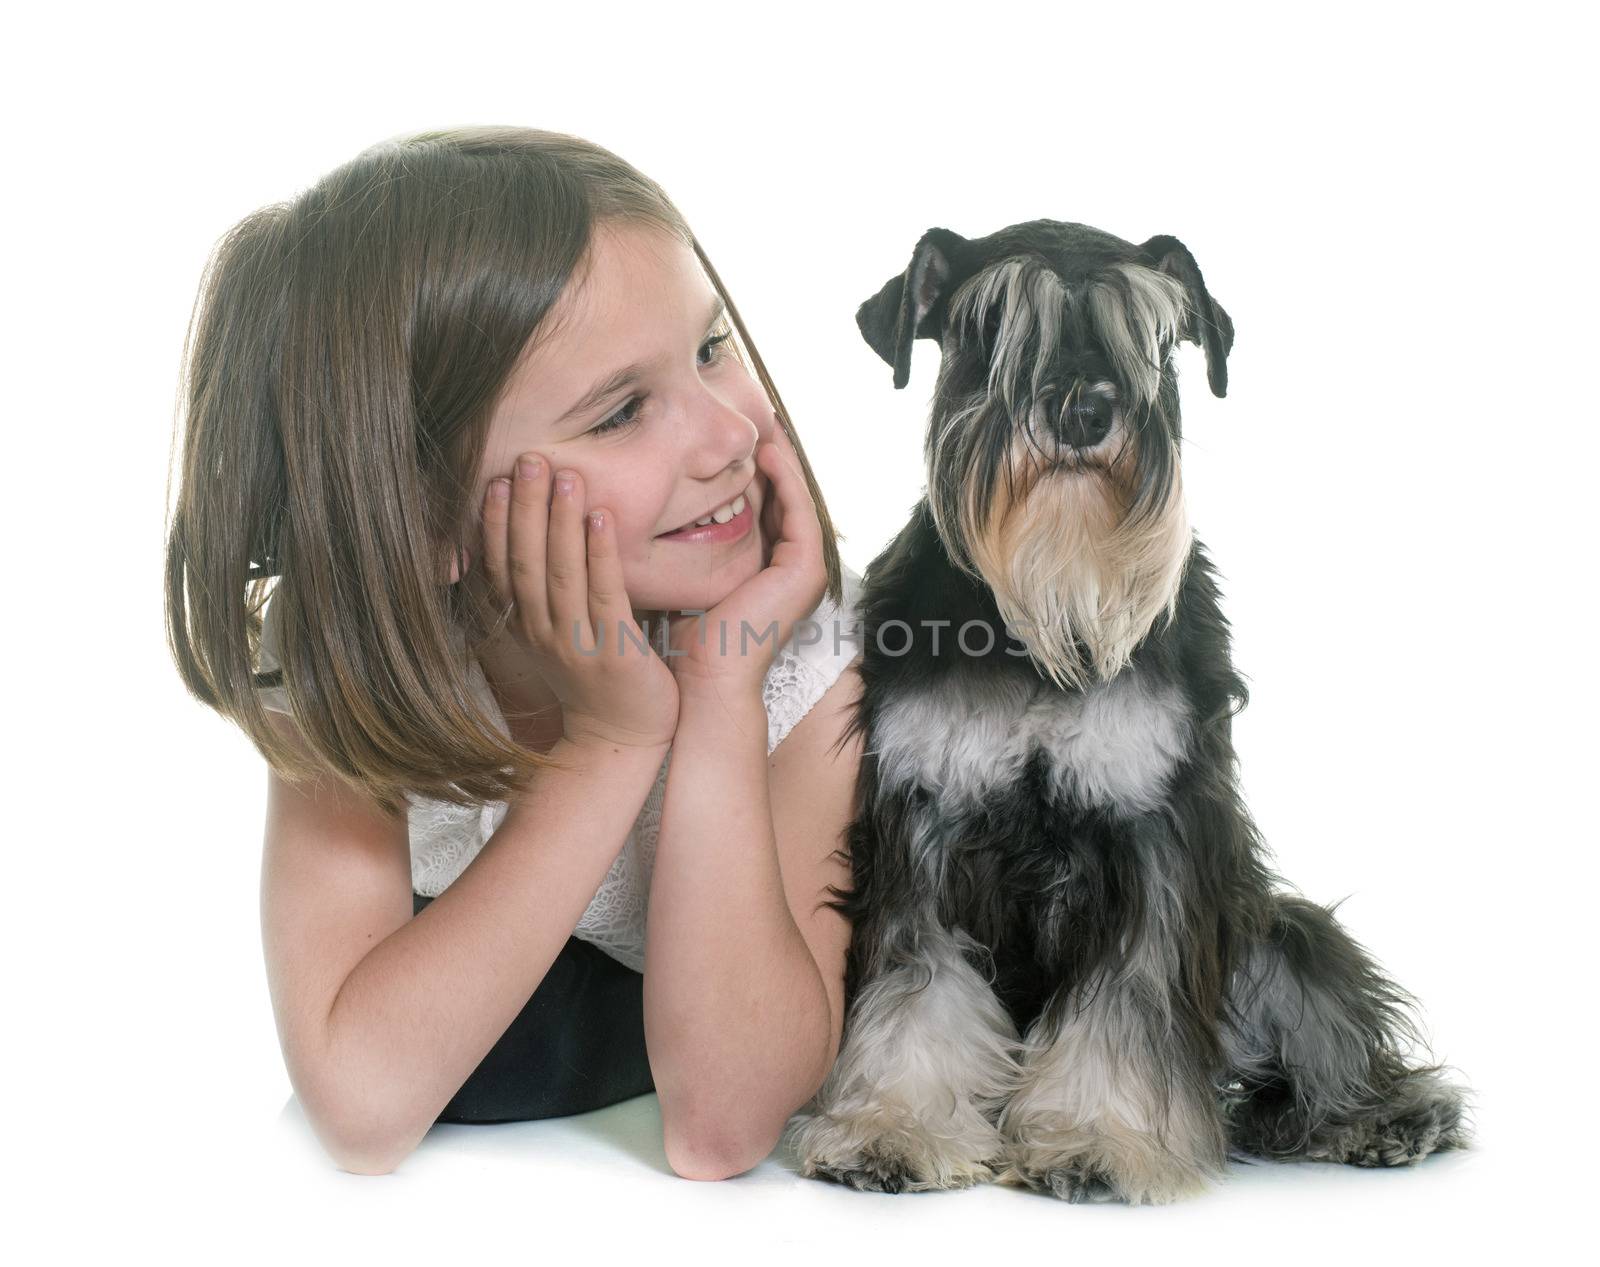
[(818, 651)]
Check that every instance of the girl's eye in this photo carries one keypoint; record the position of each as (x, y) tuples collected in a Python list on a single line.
[(624, 417), (629, 413), (714, 343)]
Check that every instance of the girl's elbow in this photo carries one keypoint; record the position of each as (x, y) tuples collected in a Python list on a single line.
[(366, 1153), (361, 1143), (711, 1160), (365, 1162)]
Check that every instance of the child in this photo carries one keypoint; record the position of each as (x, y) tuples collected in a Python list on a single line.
[(467, 700)]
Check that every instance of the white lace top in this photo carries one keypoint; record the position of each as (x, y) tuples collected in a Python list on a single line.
[(445, 838)]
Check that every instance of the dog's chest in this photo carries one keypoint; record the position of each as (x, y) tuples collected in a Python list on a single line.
[(999, 799), (969, 736)]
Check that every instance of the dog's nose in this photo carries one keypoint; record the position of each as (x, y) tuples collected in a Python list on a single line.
[(1084, 422)]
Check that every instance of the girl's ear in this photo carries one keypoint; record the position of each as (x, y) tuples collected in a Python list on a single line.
[(459, 565)]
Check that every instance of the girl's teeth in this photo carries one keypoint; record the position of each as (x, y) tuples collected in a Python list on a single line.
[(723, 514)]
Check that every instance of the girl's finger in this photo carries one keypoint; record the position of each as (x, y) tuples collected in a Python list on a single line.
[(609, 611), (791, 460), (496, 515), (770, 517), (522, 543), (566, 566), (780, 437), (796, 516)]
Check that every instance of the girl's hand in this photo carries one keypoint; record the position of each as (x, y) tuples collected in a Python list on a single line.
[(786, 590), (564, 586)]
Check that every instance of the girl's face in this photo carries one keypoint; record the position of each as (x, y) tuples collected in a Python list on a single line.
[(672, 434)]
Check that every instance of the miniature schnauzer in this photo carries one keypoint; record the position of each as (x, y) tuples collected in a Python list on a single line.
[(1071, 967)]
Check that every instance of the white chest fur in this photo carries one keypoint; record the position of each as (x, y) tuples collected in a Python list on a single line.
[(1112, 747)]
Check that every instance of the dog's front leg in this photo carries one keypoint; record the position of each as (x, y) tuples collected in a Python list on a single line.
[(1105, 1114), (925, 1062), (1117, 1098)]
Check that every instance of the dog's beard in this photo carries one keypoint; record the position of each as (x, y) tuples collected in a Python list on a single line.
[(1072, 565)]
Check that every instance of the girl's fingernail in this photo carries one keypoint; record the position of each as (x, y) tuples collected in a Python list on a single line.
[(500, 488), (597, 520), (528, 468), (564, 482)]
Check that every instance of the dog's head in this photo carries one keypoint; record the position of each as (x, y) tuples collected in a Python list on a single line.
[(1054, 434)]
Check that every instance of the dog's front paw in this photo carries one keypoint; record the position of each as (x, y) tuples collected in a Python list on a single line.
[(887, 1170), (1128, 1167), (1076, 1181), (900, 1160)]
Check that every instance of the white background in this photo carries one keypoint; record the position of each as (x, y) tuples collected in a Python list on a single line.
[(1393, 204)]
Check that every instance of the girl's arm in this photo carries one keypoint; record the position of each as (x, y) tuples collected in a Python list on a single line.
[(744, 975), (383, 1016)]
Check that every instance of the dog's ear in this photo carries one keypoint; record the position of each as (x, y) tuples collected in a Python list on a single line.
[(1211, 327), (900, 311)]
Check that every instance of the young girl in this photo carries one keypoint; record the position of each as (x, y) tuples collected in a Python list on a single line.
[(473, 400)]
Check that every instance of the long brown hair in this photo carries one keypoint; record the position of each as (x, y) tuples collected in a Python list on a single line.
[(341, 369)]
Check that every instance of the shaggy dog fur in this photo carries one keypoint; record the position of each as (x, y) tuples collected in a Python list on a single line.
[(1071, 967)]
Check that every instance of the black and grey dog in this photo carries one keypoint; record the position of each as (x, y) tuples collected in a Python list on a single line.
[(1072, 968)]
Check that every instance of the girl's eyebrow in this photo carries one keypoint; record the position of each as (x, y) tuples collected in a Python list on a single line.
[(628, 374)]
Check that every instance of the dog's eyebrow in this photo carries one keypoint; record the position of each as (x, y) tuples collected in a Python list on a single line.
[(628, 374)]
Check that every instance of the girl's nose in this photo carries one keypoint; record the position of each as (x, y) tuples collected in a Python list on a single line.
[(724, 437)]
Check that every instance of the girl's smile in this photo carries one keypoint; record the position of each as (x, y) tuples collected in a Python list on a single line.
[(740, 514)]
